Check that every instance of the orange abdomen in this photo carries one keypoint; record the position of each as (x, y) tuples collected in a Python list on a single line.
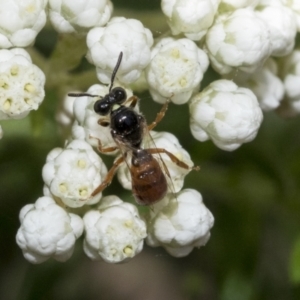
[(149, 183)]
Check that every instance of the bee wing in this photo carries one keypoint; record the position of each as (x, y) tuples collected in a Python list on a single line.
[(149, 143)]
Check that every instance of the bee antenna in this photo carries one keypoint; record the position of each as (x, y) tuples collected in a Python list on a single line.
[(81, 95), (113, 75)]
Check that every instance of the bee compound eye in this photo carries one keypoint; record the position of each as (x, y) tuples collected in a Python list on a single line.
[(119, 95), (102, 107)]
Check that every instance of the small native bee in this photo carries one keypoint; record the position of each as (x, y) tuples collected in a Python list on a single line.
[(128, 128)]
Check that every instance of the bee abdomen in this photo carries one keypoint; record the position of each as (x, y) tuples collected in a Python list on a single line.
[(149, 185)]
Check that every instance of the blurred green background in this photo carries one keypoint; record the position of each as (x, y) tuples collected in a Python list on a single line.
[(253, 193)]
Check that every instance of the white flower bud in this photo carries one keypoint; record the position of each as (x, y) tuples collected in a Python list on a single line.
[(106, 43), (176, 70), (281, 22), (290, 71), (192, 18), (47, 230), (230, 5), (225, 113), (295, 6), (170, 143), (73, 173), (115, 232), (86, 126), (238, 40), (21, 84), (21, 21), (180, 224), (79, 16), (265, 84)]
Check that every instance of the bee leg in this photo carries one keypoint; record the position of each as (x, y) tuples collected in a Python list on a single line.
[(109, 176), (174, 159), (100, 147), (159, 116), (134, 100)]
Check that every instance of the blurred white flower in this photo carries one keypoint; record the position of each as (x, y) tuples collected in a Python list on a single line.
[(290, 72), (265, 84), (114, 232), (79, 16), (21, 21), (176, 70), (86, 125), (226, 114), (170, 143), (230, 5), (281, 22), (21, 84), (73, 173), (106, 43), (179, 224), (228, 46), (47, 230), (192, 18), (295, 6)]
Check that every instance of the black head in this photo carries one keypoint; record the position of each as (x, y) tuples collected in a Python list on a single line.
[(116, 95)]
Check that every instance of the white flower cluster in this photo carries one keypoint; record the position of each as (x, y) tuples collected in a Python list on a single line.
[(47, 230), (120, 34), (192, 18), (73, 173), (21, 21), (249, 43), (225, 113), (114, 232), (179, 65), (21, 84), (180, 224), (79, 16)]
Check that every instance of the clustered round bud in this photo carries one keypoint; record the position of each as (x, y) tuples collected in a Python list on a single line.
[(230, 48), (73, 173), (21, 84), (295, 7), (226, 114), (79, 16), (281, 22), (176, 70), (179, 224), (114, 232), (47, 230), (192, 18), (20, 22), (106, 43), (265, 84)]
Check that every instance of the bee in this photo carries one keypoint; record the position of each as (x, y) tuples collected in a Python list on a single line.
[(128, 128)]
